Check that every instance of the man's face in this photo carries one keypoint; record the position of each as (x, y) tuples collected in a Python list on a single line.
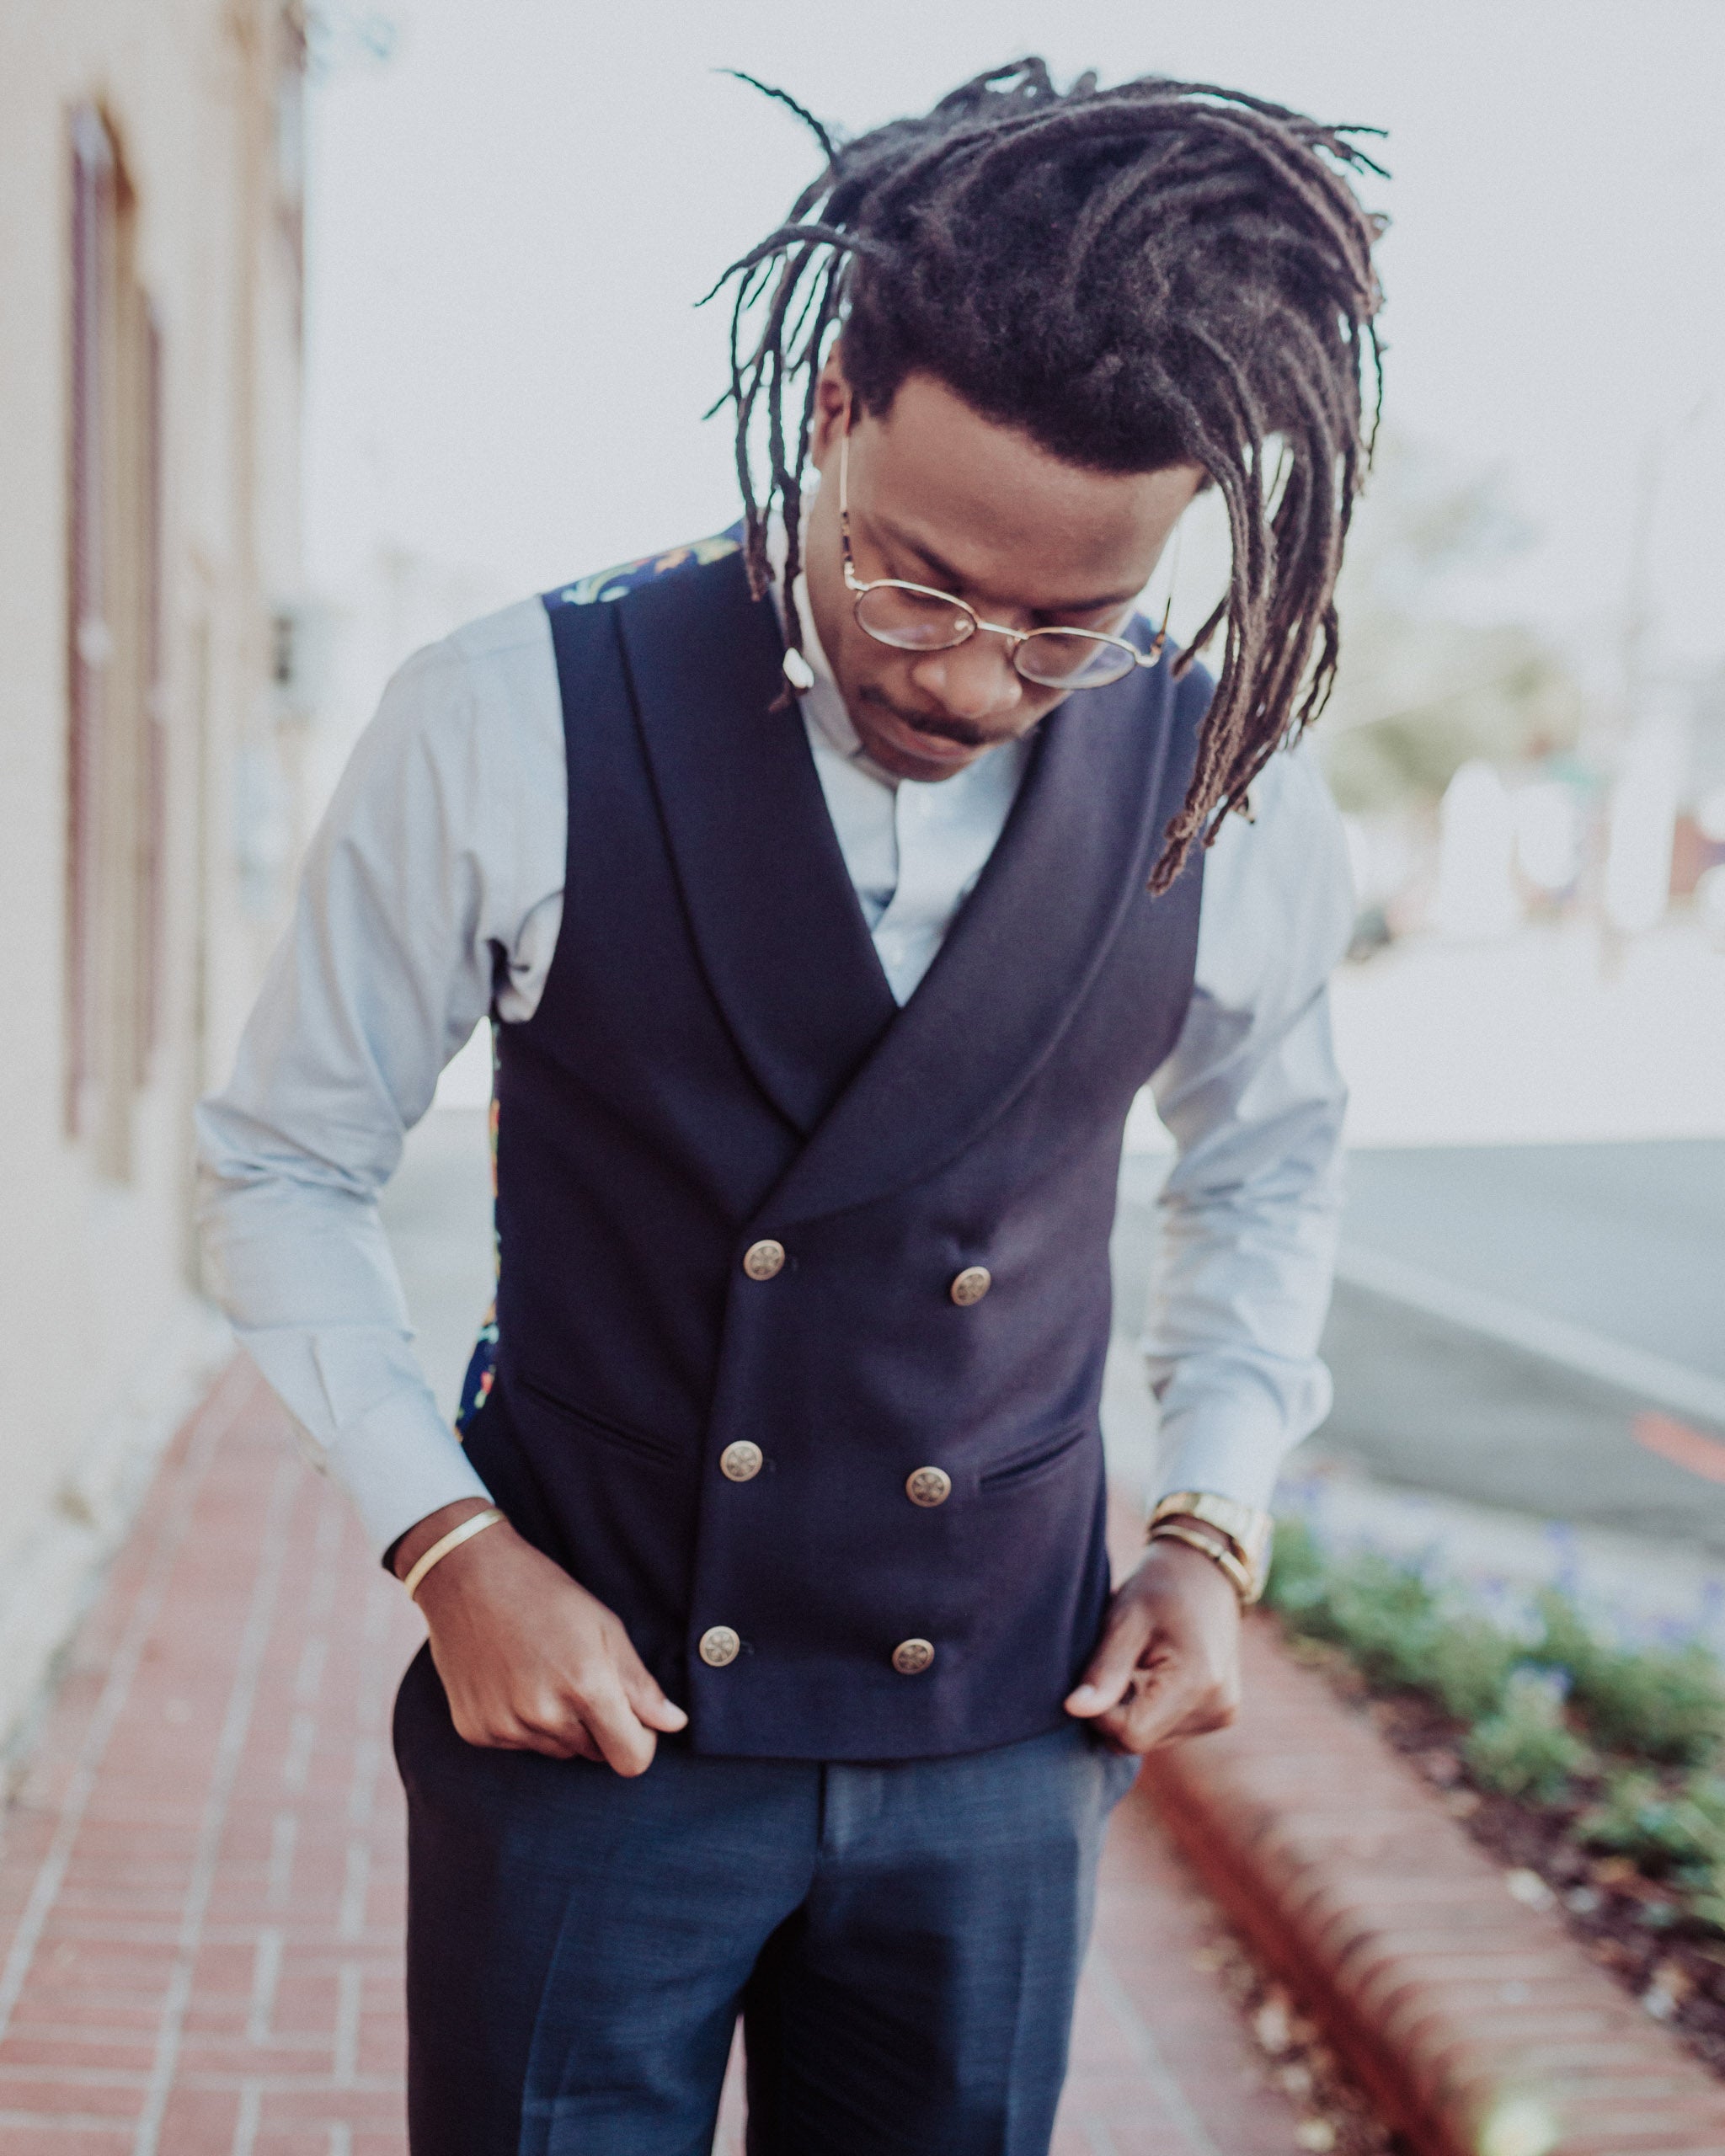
[(943, 497)]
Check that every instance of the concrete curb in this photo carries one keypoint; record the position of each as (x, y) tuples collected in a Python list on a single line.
[(1480, 2025)]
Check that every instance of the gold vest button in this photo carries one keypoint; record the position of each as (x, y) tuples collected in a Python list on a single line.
[(928, 1486), (762, 1260), (720, 1645), (910, 1657), (972, 1284), (741, 1462)]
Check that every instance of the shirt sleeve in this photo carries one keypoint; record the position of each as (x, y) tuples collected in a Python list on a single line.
[(418, 896), (1250, 1213)]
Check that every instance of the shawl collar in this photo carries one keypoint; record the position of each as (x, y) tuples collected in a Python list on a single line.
[(1020, 957), (884, 1097), (769, 903)]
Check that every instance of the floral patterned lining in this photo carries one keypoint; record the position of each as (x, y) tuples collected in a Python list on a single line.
[(629, 576), (482, 1364)]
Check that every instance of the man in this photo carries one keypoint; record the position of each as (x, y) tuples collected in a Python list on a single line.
[(834, 887)]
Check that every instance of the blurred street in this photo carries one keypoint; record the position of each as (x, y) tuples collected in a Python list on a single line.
[(1532, 1326), (1575, 1370), (1523, 1327)]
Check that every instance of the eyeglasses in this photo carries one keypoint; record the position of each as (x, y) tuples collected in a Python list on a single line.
[(914, 617)]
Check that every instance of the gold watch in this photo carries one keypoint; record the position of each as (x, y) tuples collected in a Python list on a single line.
[(1244, 1553)]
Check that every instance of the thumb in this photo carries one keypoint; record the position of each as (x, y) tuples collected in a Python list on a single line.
[(1112, 1669)]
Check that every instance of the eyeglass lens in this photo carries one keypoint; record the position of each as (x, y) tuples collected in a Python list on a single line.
[(913, 621), (916, 621)]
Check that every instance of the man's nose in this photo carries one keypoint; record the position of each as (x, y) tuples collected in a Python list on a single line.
[(975, 681)]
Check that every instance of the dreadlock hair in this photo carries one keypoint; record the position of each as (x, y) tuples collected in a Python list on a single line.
[(1160, 272)]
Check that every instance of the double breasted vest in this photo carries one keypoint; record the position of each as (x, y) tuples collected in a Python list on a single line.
[(717, 1063)]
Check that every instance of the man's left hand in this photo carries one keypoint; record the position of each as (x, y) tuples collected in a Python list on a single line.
[(1168, 1665)]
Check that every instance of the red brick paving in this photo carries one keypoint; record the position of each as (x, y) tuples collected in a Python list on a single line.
[(201, 1875)]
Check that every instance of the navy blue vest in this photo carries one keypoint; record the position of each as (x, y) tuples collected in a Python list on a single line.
[(717, 1059)]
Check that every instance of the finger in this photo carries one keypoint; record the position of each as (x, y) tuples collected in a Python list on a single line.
[(546, 1719), (612, 1723), (582, 1745), (505, 1731), (552, 1738), (1173, 1702), (1113, 1669), (641, 1689), (559, 1736), (567, 1740)]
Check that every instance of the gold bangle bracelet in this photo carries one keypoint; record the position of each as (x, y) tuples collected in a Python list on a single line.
[(1247, 1530), (1221, 1556), (1246, 1526), (440, 1549)]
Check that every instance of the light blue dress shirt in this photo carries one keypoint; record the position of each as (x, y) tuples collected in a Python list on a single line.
[(435, 882)]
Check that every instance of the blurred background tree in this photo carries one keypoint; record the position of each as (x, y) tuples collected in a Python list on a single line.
[(1422, 689)]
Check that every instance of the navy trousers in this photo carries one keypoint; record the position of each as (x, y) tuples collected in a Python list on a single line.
[(902, 1942)]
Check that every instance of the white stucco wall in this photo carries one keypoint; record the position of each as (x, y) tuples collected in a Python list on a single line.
[(105, 1339)]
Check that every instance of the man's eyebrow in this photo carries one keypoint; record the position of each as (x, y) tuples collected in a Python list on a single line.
[(946, 574)]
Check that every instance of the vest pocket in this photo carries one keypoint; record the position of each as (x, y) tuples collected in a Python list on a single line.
[(1043, 1458), (659, 1450)]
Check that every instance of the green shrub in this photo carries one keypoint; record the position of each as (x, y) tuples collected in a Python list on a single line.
[(1468, 1663), (1393, 1627), (1565, 1642), (1666, 1704), (1383, 1613), (1298, 1573), (1676, 1831), (1525, 1748)]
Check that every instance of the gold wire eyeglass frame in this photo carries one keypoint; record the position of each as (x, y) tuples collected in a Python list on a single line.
[(1129, 655)]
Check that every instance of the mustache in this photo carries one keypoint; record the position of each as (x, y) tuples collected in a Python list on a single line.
[(942, 727)]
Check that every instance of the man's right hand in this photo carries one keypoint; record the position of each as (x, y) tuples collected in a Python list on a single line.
[(530, 1660)]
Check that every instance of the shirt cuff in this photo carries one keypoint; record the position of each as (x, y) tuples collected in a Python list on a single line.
[(399, 1463), (1232, 1448)]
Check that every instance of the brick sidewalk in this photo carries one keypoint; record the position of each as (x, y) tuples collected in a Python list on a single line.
[(201, 1877)]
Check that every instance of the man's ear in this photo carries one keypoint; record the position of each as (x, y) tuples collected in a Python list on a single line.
[(832, 394)]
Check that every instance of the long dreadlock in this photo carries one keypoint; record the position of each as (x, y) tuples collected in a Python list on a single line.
[(1160, 272)]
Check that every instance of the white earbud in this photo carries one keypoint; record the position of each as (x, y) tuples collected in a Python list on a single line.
[(798, 672)]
